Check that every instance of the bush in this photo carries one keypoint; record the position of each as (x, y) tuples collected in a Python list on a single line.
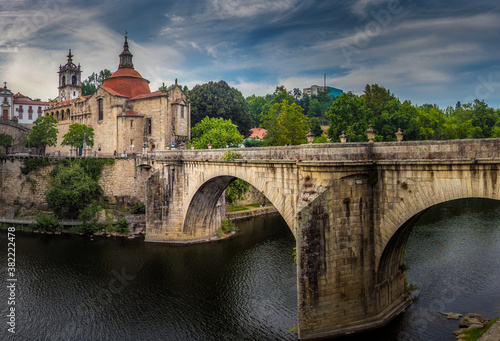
[(45, 222), (228, 226), (122, 225), (139, 208), (70, 190)]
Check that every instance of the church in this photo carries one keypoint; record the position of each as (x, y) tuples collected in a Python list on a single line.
[(126, 116)]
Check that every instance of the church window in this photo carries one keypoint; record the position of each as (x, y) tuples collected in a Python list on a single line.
[(63, 80), (131, 124), (182, 111), (148, 126), (73, 80), (100, 109)]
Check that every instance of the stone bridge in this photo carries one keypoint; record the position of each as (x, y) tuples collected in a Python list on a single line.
[(350, 206)]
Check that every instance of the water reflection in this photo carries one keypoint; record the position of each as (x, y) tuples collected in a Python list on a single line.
[(118, 289)]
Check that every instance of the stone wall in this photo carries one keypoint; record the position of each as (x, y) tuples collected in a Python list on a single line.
[(18, 132), (122, 182)]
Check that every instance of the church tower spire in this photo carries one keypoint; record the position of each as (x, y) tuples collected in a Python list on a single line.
[(69, 79), (126, 56)]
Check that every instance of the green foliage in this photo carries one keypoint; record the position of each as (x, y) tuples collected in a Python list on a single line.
[(348, 113), (122, 225), (322, 139), (236, 190), (255, 142), (77, 134), (285, 124), (93, 167), (70, 190), (90, 215), (94, 81), (219, 100), (6, 140), (473, 334), (47, 223), (43, 133), (231, 155), (256, 105), (316, 126), (33, 164), (139, 208), (216, 131), (227, 226)]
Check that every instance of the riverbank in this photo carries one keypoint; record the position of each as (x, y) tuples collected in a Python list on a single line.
[(249, 212), (137, 224)]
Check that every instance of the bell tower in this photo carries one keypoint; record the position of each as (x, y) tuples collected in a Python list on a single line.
[(69, 80)]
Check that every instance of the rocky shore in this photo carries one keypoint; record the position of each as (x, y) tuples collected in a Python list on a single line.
[(475, 323)]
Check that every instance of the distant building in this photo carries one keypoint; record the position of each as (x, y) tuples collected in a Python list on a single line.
[(316, 89), (20, 108), (126, 116), (257, 133)]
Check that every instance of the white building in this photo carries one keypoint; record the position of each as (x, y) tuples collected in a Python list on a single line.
[(20, 108)]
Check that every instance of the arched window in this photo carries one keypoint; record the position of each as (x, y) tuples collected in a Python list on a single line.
[(63, 80), (73, 80)]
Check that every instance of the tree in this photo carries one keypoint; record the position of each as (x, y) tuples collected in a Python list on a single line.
[(285, 124), (94, 81), (43, 134), (5, 142), (216, 131), (219, 100), (376, 98), (316, 126), (256, 105), (348, 114), (77, 135), (70, 190)]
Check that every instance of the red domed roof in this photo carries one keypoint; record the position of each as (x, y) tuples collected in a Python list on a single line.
[(127, 82)]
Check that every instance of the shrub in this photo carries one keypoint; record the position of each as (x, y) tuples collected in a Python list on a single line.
[(70, 190), (45, 222), (139, 208), (122, 225)]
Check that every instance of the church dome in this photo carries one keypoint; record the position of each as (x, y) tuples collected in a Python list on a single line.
[(126, 80)]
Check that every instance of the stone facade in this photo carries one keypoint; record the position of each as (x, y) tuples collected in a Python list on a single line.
[(126, 116), (350, 206)]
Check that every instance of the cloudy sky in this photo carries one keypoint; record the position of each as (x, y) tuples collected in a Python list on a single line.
[(425, 51)]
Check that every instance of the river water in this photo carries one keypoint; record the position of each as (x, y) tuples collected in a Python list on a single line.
[(241, 288)]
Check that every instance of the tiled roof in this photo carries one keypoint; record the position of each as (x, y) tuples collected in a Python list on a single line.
[(27, 102), (111, 91), (64, 103), (258, 133), (150, 95)]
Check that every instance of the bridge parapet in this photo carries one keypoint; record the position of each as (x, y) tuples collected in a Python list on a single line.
[(410, 150)]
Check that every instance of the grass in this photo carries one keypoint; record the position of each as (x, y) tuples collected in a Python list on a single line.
[(244, 208), (475, 333)]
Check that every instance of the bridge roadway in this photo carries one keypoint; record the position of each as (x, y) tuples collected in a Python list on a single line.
[(350, 206)]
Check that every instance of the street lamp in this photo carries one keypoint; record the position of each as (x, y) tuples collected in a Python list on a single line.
[(343, 137), (399, 135), (310, 137), (370, 133)]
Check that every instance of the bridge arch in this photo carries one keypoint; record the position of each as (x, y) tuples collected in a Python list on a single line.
[(397, 223), (204, 193)]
